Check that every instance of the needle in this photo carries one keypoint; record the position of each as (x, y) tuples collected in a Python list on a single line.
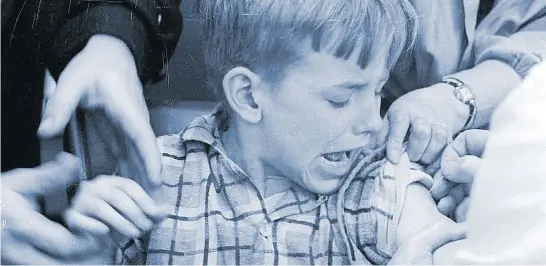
[(434, 185)]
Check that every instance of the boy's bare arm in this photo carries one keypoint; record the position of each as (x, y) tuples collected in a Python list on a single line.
[(418, 213)]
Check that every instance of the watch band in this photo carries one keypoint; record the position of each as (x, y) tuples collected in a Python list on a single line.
[(463, 94)]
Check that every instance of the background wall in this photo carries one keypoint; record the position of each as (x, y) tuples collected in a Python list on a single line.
[(185, 78)]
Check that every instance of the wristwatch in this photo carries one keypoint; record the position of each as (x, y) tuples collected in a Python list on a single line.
[(465, 95)]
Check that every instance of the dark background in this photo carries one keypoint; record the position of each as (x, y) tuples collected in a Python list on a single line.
[(185, 78)]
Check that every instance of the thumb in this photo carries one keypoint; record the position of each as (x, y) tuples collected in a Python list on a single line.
[(464, 169), (470, 142), (398, 128), (62, 171), (438, 235), (63, 102)]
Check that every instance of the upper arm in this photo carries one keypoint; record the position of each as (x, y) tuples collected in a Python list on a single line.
[(418, 212), (513, 33)]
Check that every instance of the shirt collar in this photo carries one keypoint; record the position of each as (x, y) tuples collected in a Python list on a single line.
[(207, 129)]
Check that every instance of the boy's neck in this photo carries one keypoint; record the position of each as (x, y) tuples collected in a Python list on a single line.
[(246, 149)]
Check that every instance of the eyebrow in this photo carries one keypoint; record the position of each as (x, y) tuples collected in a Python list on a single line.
[(352, 86)]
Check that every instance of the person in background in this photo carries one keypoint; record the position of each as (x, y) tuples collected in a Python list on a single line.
[(467, 57), (101, 53)]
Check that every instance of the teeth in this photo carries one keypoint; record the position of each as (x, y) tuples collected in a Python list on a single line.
[(336, 156)]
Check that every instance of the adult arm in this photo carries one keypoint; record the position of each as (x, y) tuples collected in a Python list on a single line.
[(501, 50), (150, 29), (507, 43)]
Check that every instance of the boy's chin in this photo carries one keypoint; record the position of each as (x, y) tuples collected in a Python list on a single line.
[(324, 187)]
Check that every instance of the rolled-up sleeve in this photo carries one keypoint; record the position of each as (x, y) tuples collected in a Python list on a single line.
[(514, 32)]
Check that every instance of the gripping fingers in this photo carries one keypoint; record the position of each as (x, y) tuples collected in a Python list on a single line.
[(419, 139), (438, 141), (447, 205), (465, 169), (141, 198), (441, 186), (100, 210), (78, 222), (461, 211), (22, 253), (399, 125)]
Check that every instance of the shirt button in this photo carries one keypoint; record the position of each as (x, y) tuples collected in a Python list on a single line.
[(265, 230)]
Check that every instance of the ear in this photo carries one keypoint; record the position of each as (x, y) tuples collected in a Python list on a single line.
[(239, 85)]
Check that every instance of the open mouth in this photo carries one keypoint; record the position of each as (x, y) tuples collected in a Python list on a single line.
[(343, 158), (337, 158)]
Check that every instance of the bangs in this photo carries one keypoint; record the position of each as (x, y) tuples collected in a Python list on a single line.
[(266, 36), (373, 29)]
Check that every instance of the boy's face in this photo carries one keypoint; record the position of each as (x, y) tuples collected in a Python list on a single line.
[(319, 117)]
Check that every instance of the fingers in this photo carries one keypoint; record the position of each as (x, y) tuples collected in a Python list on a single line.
[(78, 222), (461, 211), (419, 139), (447, 205), (117, 203), (131, 116), (464, 170), (70, 89), (438, 140), (47, 178), (16, 252), (470, 142), (434, 167), (399, 125), (142, 199), (134, 122), (441, 186), (31, 228), (106, 214)]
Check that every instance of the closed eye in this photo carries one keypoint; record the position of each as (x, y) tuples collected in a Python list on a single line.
[(341, 104)]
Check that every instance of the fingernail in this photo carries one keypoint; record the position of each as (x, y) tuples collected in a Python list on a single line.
[(134, 232), (46, 124), (395, 156), (161, 212), (447, 169), (164, 210)]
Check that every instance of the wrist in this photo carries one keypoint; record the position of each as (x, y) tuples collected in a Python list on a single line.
[(460, 111), (105, 42)]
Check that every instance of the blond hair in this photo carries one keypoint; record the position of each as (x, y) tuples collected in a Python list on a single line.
[(265, 35)]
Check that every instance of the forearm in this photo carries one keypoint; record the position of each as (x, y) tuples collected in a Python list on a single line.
[(506, 44)]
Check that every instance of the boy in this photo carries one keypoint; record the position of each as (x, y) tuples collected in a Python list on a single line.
[(282, 171)]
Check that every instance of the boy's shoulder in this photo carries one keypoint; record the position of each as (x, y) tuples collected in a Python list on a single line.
[(171, 145), (381, 184), (200, 132)]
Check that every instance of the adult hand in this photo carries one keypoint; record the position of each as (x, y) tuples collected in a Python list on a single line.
[(460, 162), (419, 248), (28, 237), (430, 116), (103, 79)]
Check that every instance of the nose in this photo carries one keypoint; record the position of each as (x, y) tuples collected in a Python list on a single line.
[(369, 119)]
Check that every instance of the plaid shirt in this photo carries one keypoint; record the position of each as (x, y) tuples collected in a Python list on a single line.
[(219, 216)]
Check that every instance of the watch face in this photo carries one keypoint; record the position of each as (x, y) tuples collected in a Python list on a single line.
[(464, 94)]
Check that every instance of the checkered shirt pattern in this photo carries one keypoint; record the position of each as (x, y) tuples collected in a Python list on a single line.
[(219, 217)]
